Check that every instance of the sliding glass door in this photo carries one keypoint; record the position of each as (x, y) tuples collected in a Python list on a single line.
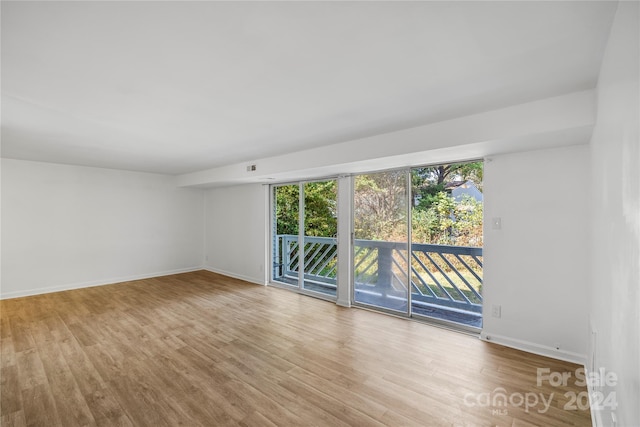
[(446, 243), (413, 241), (304, 241), (381, 240), (417, 247), (320, 232), (286, 219)]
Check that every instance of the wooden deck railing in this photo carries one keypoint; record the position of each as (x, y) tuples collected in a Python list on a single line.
[(445, 276)]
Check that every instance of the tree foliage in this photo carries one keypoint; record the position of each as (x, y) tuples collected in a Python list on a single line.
[(448, 222), (286, 208), (436, 217), (380, 206), (320, 209), (320, 214)]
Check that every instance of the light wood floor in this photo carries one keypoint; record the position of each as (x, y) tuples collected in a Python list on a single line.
[(203, 349)]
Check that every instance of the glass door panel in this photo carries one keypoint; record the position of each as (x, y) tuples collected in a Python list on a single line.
[(286, 201), (381, 240), (446, 243), (320, 230)]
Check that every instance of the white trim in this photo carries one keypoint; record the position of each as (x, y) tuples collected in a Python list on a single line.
[(102, 282), (302, 256), (266, 259), (596, 416), (344, 303), (345, 248), (534, 348), (303, 291), (235, 276)]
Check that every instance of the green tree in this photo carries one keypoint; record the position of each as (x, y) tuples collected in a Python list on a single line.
[(436, 217), (468, 222), (380, 206), (320, 209), (447, 222), (286, 208), (426, 182)]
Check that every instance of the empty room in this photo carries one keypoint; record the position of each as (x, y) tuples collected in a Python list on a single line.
[(386, 213)]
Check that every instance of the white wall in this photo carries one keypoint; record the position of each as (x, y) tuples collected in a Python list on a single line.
[(535, 266), (236, 221), (615, 264), (65, 227)]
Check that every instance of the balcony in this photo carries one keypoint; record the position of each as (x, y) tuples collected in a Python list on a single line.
[(445, 283)]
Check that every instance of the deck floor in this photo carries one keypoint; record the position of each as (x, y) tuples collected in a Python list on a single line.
[(440, 313)]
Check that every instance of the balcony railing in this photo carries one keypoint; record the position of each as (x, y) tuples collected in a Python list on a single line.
[(449, 277), (320, 259)]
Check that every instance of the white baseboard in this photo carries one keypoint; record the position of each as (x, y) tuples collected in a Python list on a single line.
[(101, 282), (534, 348), (235, 275), (603, 410), (596, 416)]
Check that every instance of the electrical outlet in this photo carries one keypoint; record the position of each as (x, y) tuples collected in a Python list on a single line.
[(496, 311)]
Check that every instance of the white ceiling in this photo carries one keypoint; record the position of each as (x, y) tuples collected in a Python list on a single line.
[(176, 87)]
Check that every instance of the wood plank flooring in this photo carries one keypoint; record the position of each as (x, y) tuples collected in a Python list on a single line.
[(200, 349)]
